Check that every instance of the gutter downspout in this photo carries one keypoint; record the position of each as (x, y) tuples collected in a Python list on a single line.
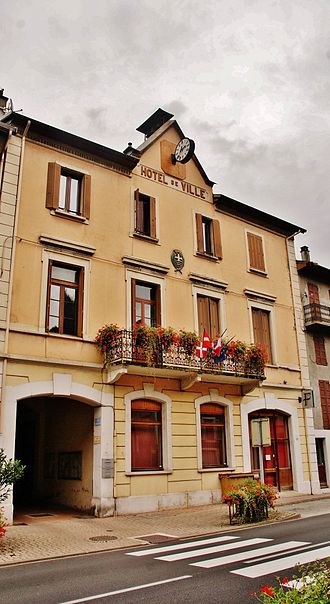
[(12, 262)]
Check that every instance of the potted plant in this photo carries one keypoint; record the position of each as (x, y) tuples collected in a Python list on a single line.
[(256, 357), (107, 338), (250, 500), (188, 340)]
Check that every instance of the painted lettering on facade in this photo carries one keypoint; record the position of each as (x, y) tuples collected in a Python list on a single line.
[(173, 183)]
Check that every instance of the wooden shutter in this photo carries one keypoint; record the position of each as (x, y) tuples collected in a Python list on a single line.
[(137, 212), (53, 186), (199, 232), (214, 317), (86, 196), (217, 239), (324, 388), (313, 293), (133, 302), (203, 315), (261, 330), (158, 306), (80, 309), (153, 217), (320, 353), (256, 253), (50, 265)]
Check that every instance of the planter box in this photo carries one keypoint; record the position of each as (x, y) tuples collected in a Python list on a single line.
[(228, 481)]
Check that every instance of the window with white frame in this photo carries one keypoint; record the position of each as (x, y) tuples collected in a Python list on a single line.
[(148, 432), (68, 191), (145, 299)]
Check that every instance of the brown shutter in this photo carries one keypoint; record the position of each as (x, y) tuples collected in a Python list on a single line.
[(153, 217), (313, 293), (203, 315), (199, 231), (261, 330), (138, 212), (53, 185), (217, 239), (324, 387), (256, 253), (133, 302), (158, 306), (320, 353), (214, 317), (86, 196), (80, 310), (48, 293)]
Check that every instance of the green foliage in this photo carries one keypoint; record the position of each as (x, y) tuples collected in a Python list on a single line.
[(10, 471), (311, 586), (250, 500)]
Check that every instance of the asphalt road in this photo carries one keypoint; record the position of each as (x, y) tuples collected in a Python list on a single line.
[(223, 568)]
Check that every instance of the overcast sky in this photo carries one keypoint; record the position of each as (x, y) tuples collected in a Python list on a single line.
[(248, 80)]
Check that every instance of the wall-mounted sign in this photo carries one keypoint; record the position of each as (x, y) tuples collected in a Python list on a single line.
[(180, 185)]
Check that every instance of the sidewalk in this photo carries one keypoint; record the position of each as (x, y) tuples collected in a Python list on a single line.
[(63, 533)]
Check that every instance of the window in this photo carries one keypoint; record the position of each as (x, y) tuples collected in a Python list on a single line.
[(145, 214), (256, 252), (64, 299), (68, 192), (208, 236), (145, 303), (324, 387), (320, 353), (213, 435), (261, 330), (146, 435), (208, 315), (313, 293)]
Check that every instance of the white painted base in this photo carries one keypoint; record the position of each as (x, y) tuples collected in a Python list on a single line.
[(156, 503), (103, 507)]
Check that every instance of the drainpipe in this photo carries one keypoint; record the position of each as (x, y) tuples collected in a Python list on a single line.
[(12, 262)]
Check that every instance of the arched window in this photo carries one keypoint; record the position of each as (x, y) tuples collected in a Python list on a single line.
[(146, 435), (213, 435)]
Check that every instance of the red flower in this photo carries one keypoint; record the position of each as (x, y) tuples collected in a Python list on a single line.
[(285, 581), (268, 590)]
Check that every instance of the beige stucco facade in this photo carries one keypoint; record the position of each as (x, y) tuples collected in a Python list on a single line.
[(75, 404)]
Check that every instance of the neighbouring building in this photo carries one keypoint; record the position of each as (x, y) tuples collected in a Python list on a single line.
[(139, 239), (315, 293)]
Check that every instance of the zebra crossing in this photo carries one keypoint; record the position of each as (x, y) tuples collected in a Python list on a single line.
[(260, 556)]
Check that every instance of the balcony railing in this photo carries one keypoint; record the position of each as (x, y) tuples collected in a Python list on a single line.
[(125, 351), (317, 314)]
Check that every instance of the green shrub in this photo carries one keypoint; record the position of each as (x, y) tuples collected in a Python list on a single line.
[(10, 471)]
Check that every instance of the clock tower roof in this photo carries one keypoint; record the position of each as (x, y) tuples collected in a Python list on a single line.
[(155, 121)]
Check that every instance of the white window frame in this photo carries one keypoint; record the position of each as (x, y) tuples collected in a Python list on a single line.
[(149, 393), (270, 309), (214, 397), (133, 233), (131, 274), (248, 263), (73, 261), (216, 295)]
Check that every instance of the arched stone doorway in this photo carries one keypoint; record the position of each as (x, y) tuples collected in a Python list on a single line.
[(94, 428), (54, 439), (276, 457)]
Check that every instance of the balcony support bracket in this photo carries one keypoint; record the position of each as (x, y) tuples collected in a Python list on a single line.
[(189, 380), (115, 374)]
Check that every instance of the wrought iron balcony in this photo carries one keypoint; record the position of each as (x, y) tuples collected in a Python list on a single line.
[(317, 315), (178, 360)]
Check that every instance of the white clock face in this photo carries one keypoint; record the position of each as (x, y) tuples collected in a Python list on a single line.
[(182, 149)]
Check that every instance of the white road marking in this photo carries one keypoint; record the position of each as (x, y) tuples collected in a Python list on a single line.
[(249, 555), (179, 546), (122, 591), (211, 550), (274, 566)]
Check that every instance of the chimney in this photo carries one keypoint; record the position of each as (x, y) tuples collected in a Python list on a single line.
[(305, 255)]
